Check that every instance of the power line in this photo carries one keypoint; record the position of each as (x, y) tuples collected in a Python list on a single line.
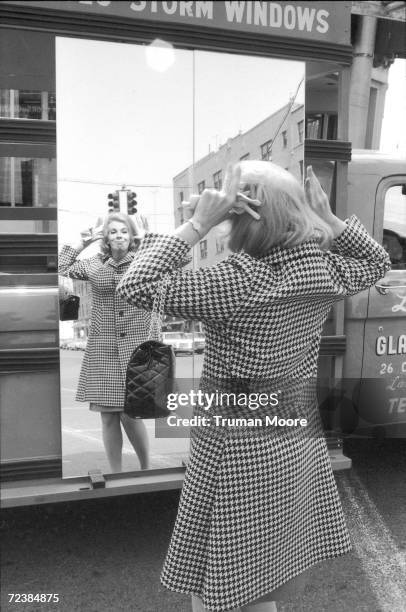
[(289, 109), (114, 184)]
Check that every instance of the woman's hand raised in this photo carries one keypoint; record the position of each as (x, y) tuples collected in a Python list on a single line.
[(319, 202), (212, 206), (317, 197), (89, 235)]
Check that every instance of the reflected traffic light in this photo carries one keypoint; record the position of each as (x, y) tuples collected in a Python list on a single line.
[(131, 203), (113, 202)]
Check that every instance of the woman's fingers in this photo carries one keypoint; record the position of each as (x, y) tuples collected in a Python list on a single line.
[(86, 235), (189, 206), (313, 189), (309, 192), (227, 177), (316, 196), (314, 183), (215, 206), (140, 229), (232, 182)]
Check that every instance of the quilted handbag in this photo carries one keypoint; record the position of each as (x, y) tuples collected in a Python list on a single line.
[(69, 308), (68, 303), (151, 371)]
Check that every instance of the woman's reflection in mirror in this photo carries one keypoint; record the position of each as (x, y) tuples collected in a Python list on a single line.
[(116, 329)]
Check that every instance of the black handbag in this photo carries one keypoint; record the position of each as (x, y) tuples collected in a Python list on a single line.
[(68, 303), (69, 308), (150, 373)]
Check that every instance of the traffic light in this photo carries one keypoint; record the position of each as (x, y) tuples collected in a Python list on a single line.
[(113, 202), (131, 203)]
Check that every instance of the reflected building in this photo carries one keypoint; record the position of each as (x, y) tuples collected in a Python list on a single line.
[(278, 138)]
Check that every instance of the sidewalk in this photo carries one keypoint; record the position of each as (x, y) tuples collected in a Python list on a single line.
[(106, 555)]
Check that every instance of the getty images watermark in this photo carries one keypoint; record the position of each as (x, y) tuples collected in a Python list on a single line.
[(205, 400)]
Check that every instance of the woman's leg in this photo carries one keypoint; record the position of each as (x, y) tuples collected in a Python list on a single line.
[(113, 439), (138, 436), (197, 605)]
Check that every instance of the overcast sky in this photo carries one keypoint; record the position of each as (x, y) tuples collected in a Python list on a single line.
[(393, 138), (125, 119)]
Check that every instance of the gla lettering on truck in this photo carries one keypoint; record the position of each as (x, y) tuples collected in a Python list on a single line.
[(369, 396)]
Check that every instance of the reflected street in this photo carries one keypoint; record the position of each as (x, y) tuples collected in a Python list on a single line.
[(83, 448)]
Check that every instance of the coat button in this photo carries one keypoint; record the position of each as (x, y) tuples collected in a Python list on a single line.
[(122, 334), (121, 313)]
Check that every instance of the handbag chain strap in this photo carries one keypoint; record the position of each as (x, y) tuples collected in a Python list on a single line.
[(157, 314)]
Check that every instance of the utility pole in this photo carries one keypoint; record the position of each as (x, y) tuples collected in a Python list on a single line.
[(361, 80), (379, 39)]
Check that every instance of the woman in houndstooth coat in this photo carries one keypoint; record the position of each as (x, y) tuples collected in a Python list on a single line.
[(116, 329), (259, 504)]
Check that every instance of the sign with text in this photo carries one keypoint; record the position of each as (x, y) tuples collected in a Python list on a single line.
[(321, 21)]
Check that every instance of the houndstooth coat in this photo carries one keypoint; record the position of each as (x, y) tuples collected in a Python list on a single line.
[(257, 507), (116, 327)]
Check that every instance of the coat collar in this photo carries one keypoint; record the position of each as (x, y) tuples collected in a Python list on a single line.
[(283, 255), (116, 264)]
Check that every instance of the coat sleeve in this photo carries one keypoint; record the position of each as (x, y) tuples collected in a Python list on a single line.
[(72, 268), (356, 261), (208, 294)]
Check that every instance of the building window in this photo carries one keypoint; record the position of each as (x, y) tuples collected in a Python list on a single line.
[(203, 249), (217, 180), (300, 128), (27, 182), (201, 186), (27, 104), (266, 150), (181, 215), (332, 127), (181, 198), (314, 126), (285, 139), (394, 223), (321, 126), (219, 245), (246, 156)]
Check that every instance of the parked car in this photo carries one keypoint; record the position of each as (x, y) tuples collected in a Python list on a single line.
[(80, 345), (73, 345), (181, 342)]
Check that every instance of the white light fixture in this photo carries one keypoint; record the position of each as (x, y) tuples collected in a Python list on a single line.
[(160, 55)]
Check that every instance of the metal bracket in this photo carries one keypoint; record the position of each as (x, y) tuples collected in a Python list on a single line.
[(383, 289), (97, 479)]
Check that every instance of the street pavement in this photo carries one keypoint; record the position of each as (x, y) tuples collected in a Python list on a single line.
[(82, 444), (106, 555)]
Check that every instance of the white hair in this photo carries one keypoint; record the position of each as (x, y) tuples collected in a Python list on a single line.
[(286, 218)]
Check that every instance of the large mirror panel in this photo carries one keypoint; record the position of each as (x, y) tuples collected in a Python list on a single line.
[(163, 124), (125, 125)]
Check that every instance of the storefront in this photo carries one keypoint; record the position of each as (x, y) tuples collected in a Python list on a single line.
[(36, 40)]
